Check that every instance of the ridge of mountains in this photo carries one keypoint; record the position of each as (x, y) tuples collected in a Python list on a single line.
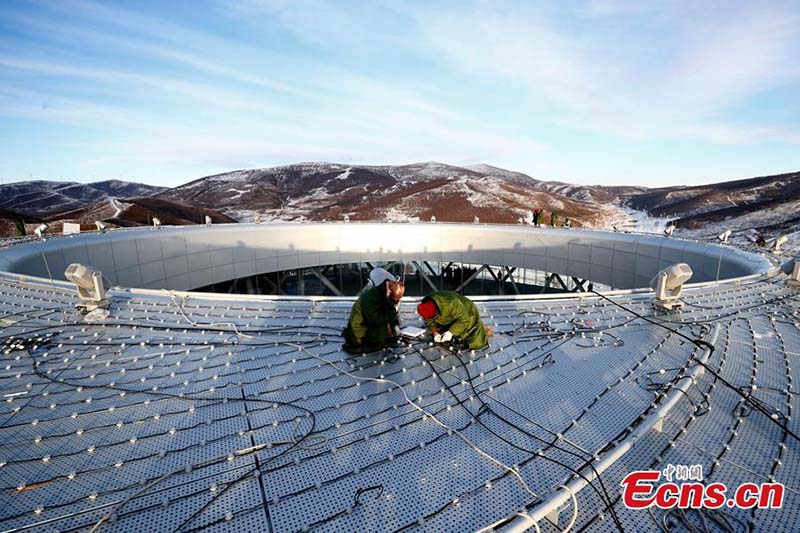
[(46, 198), (329, 191)]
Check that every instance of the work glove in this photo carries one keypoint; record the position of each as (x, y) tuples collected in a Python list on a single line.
[(443, 337)]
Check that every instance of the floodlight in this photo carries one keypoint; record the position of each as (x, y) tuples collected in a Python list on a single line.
[(91, 286), (724, 235), (669, 230), (41, 231), (208, 220), (792, 269), (101, 226), (433, 219), (668, 284), (476, 220), (776, 244), (378, 275), (347, 218), (156, 222)]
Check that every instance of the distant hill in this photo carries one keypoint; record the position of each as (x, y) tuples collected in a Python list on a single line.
[(774, 198), (328, 191), (45, 198), (137, 211), (586, 193)]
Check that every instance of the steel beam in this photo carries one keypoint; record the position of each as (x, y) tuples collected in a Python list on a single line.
[(579, 284), (469, 279), (425, 276), (433, 272), (510, 278), (325, 281), (560, 281), (275, 288)]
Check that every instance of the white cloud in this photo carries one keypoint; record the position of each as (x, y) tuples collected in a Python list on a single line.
[(704, 65), (391, 82)]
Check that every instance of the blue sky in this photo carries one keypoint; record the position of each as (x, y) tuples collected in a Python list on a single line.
[(650, 93)]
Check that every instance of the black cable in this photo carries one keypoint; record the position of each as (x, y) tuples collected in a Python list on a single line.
[(710, 347), (711, 319), (604, 498), (589, 462), (690, 304), (295, 444)]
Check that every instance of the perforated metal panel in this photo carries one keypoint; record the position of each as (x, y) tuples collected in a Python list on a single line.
[(190, 414)]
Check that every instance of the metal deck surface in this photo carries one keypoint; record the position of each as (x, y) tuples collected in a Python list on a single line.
[(201, 414), (230, 413)]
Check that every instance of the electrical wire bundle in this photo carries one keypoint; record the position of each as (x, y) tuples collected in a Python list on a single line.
[(249, 338)]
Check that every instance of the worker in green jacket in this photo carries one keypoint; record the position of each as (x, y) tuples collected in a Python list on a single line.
[(374, 323), (448, 316)]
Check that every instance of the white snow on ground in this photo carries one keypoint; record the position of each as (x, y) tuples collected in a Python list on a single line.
[(238, 192), (640, 221), (396, 215), (246, 216), (745, 228), (116, 205), (344, 175)]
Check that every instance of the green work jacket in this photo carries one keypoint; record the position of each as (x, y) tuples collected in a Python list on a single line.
[(372, 321), (458, 315)]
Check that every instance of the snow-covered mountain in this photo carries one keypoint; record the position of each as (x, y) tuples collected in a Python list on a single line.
[(45, 198), (753, 209), (328, 191), (137, 211), (695, 206), (585, 193), (764, 206)]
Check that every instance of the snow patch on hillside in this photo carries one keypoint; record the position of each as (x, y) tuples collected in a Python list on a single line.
[(397, 215), (344, 175)]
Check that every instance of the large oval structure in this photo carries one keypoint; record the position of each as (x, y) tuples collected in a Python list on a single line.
[(186, 258)]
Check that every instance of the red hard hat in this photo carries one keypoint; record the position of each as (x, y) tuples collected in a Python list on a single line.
[(427, 309)]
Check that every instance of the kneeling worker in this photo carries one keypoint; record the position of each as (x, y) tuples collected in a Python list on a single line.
[(373, 323), (449, 315)]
